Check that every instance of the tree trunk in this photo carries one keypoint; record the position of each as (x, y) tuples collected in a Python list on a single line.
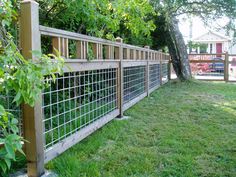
[(178, 51)]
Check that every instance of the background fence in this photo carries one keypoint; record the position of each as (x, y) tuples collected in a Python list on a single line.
[(232, 67), (212, 67), (101, 80)]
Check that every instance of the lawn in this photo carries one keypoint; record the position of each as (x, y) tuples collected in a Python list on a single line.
[(182, 129)]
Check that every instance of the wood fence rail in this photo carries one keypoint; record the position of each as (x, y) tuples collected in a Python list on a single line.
[(104, 78)]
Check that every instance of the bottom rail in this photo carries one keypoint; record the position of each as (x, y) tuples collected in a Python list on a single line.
[(59, 148)]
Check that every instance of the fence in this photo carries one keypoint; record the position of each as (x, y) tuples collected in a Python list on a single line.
[(101, 80), (232, 67), (213, 67)]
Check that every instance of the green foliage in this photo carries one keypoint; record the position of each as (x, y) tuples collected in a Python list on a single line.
[(159, 35), (101, 18), (26, 77), (23, 77), (7, 14), (90, 54), (10, 142), (203, 47)]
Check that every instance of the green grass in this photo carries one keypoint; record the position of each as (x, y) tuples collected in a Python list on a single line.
[(183, 129)]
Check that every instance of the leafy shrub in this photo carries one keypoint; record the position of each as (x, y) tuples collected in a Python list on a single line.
[(23, 77), (10, 141)]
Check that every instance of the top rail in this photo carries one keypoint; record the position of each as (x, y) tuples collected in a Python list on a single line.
[(130, 52), (53, 32), (208, 54), (208, 57)]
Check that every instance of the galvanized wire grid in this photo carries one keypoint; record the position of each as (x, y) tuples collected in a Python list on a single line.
[(134, 82), (164, 70), (207, 70), (76, 100), (154, 75), (7, 101)]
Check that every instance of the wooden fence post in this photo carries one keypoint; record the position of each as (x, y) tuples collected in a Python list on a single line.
[(169, 68), (147, 71), (32, 116), (226, 67), (119, 56), (161, 55)]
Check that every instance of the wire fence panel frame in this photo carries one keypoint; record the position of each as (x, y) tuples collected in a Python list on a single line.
[(134, 82), (154, 75), (76, 100)]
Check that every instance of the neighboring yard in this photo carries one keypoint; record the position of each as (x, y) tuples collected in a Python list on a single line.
[(182, 129)]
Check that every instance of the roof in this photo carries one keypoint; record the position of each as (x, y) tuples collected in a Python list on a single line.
[(211, 36)]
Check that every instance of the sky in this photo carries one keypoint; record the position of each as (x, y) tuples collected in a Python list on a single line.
[(198, 28)]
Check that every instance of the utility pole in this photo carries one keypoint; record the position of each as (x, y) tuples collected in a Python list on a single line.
[(190, 34)]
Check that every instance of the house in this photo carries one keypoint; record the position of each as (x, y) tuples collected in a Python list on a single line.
[(213, 42)]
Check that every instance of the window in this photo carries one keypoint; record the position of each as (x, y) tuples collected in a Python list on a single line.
[(211, 48), (203, 48)]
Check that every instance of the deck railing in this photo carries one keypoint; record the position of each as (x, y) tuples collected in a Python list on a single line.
[(101, 80)]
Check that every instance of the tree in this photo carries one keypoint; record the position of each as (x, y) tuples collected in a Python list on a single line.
[(168, 12)]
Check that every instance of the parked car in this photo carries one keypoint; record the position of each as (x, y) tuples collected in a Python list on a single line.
[(217, 67)]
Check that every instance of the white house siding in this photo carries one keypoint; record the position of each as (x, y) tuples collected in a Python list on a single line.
[(232, 49), (214, 38)]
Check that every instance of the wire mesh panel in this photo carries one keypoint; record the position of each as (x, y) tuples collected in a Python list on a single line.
[(134, 82), (154, 75), (164, 70), (75, 100), (207, 66), (7, 101), (208, 70)]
